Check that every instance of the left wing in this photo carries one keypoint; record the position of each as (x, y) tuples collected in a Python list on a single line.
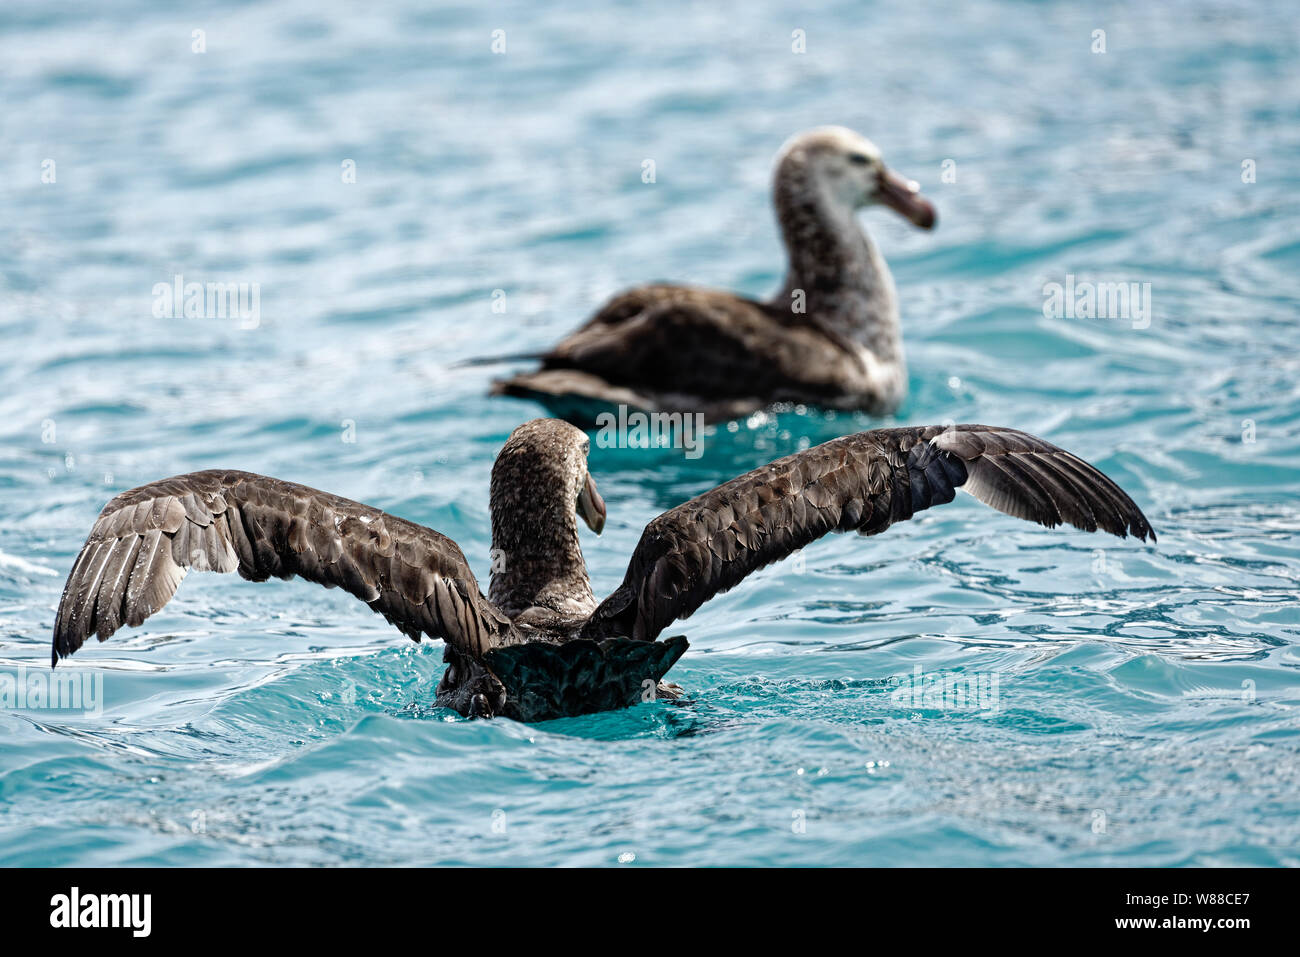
[(146, 539)]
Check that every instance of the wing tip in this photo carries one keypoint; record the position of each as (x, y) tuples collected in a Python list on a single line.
[(1125, 518), (1132, 522), (1142, 529), (62, 646)]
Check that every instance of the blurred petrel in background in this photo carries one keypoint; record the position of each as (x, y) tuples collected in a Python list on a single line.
[(829, 337)]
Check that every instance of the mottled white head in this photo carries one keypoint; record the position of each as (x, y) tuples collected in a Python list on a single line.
[(847, 170)]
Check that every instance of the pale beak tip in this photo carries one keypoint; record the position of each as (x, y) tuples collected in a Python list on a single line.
[(904, 197)]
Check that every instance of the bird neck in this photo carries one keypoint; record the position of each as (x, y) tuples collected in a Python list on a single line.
[(536, 555), (836, 275)]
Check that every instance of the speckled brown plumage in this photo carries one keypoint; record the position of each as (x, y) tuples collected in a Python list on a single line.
[(864, 483), (540, 647), (538, 569), (145, 539), (829, 337)]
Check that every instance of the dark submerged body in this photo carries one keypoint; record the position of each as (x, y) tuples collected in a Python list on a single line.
[(541, 680)]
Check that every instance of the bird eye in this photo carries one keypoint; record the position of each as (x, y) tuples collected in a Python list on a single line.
[(859, 159)]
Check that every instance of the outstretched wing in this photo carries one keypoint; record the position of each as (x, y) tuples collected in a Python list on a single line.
[(864, 482), (147, 538)]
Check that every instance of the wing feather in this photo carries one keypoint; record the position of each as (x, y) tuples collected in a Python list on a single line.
[(112, 593), (864, 482), (147, 538)]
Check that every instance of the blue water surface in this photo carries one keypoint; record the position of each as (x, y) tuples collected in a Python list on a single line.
[(1146, 708)]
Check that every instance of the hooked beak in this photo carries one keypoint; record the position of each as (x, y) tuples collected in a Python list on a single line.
[(591, 506), (904, 197)]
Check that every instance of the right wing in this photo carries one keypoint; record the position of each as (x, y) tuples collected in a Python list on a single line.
[(147, 538), (864, 482)]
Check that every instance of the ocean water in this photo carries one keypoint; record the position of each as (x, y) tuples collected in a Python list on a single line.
[(1132, 705)]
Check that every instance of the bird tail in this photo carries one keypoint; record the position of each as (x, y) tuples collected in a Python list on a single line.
[(545, 680)]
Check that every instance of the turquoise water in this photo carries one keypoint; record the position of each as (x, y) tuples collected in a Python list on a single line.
[(1146, 708)]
